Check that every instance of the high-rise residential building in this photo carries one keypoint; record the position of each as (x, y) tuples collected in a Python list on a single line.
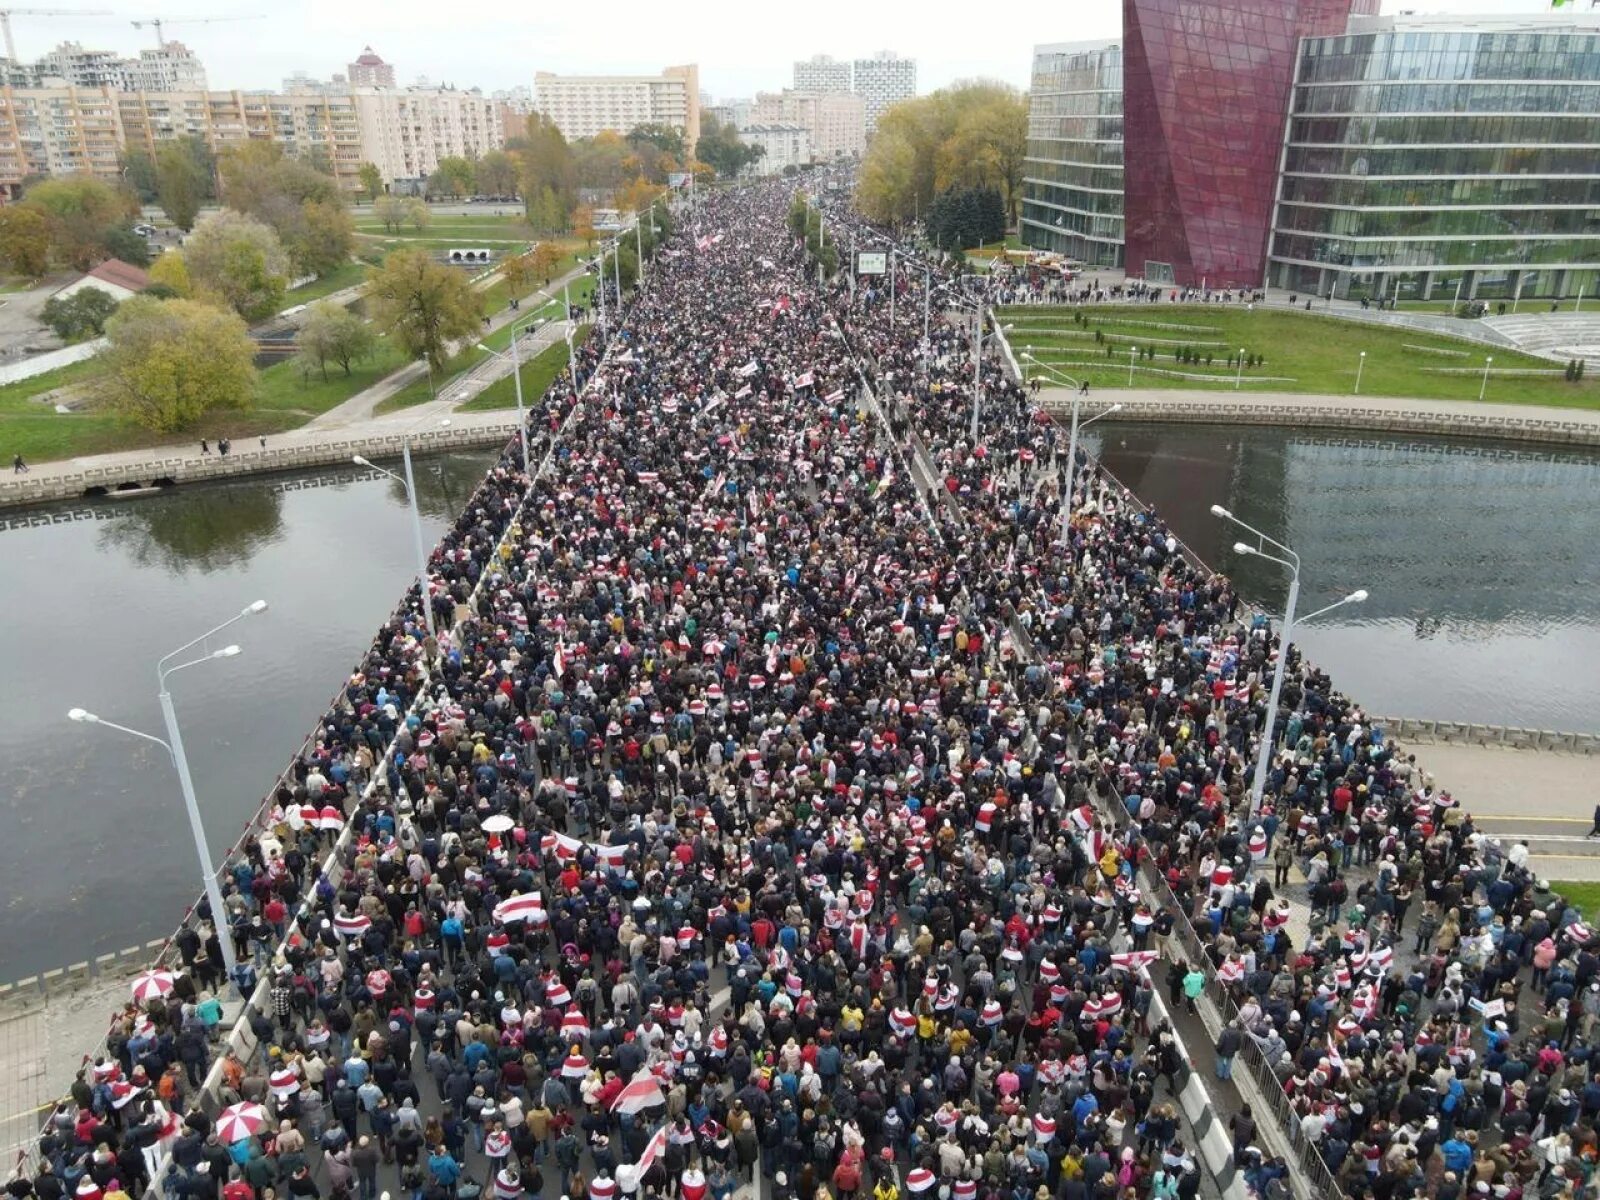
[(822, 73), (369, 70), (835, 121), (1206, 87), (883, 80), (59, 131), (1072, 175), (170, 67), (584, 105), (1427, 154), (735, 111), (784, 146), (406, 131)]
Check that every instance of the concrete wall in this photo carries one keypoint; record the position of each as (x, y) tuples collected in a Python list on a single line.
[(1488, 735), (51, 359), (1333, 415), (41, 487)]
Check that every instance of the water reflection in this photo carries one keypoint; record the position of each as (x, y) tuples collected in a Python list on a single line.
[(97, 598), (1482, 562), (175, 534)]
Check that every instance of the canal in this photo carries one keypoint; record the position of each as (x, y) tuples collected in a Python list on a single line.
[(1482, 560), (97, 854), (1483, 565)]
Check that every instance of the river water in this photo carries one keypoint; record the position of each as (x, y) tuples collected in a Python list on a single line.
[(1483, 565), (96, 853), (1482, 561)]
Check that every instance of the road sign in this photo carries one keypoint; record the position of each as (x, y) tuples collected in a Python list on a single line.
[(872, 263)]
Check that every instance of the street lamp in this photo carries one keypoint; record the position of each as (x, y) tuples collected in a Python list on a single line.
[(516, 374), (1360, 364), (173, 745), (1290, 561), (1484, 386), (1238, 375), (416, 521)]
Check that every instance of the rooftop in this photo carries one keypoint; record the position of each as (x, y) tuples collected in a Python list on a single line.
[(125, 275)]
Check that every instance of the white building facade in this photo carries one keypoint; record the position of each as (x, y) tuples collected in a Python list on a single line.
[(784, 146), (584, 105), (822, 73), (882, 81)]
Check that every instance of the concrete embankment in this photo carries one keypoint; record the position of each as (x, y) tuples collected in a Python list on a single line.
[(119, 474)]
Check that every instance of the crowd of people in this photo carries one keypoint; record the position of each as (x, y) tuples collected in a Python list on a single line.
[(794, 787)]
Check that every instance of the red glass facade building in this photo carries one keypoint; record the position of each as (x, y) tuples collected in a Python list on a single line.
[(1206, 88)]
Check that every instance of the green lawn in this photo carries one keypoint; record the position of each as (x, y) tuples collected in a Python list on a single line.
[(1585, 895), (1300, 352), (346, 276), (282, 388), (537, 376), (491, 226)]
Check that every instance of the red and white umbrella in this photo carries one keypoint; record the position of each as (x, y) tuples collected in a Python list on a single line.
[(284, 1082), (920, 1179), (355, 926), (521, 908), (644, 1092), (152, 985), (576, 1066), (240, 1121)]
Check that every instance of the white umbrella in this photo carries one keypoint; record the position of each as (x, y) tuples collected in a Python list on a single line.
[(152, 985), (498, 823)]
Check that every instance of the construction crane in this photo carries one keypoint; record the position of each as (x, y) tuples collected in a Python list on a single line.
[(159, 22), (7, 13)]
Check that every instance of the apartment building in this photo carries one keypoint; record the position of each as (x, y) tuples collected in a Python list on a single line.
[(822, 73), (64, 131), (369, 70), (784, 146), (835, 121), (172, 67), (882, 81), (584, 105)]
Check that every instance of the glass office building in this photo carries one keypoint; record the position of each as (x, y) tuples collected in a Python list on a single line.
[(1206, 95), (1427, 157), (1072, 175)]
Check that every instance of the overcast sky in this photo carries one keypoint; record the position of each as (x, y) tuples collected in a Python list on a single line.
[(740, 46)]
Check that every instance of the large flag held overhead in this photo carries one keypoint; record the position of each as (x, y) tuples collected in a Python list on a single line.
[(644, 1092)]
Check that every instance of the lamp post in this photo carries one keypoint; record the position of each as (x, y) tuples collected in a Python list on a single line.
[(1072, 437), (926, 298), (1360, 364), (416, 522), (1133, 354), (516, 374), (1290, 561), (1484, 386), (173, 745), (891, 287), (1238, 375)]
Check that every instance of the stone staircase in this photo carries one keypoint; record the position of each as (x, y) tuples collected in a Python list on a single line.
[(1555, 335)]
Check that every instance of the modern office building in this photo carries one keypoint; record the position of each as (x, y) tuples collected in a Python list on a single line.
[(1430, 156), (822, 73), (882, 81), (369, 70), (1206, 87), (584, 105), (835, 121), (1072, 175)]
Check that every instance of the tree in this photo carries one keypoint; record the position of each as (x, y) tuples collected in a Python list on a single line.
[(516, 271), (24, 240), (371, 180), (239, 261), (171, 362), (120, 241), (963, 217), (497, 174), (454, 177), (583, 225), (139, 170), (972, 134), (324, 238), (601, 160), (332, 333), (171, 271), (663, 137), (418, 213), (637, 196), (391, 210), (180, 185), (79, 210), (81, 315), (719, 146), (547, 172), (422, 303), (545, 258)]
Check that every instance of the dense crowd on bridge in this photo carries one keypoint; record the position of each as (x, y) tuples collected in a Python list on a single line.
[(782, 796)]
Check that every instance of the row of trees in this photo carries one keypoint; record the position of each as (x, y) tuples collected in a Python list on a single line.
[(969, 135), (966, 216), (806, 222)]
